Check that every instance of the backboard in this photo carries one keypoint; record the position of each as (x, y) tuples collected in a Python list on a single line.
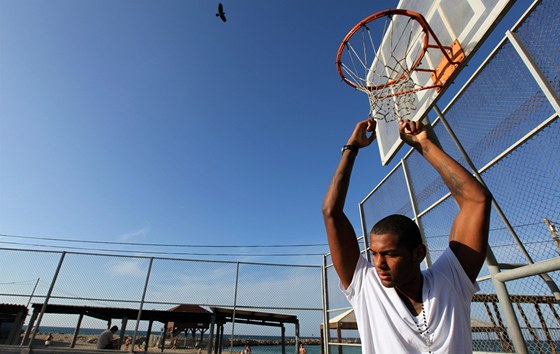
[(461, 24)]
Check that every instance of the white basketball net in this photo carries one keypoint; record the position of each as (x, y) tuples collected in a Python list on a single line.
[(370, 67)]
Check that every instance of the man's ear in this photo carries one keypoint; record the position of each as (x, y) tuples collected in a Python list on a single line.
[(420, 253)]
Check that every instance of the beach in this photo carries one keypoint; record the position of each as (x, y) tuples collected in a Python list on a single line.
[(88, 342)]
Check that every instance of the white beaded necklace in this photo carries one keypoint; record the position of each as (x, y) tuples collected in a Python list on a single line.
[(424, 331)]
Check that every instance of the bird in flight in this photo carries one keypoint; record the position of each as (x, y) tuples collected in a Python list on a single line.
[(221, 12)]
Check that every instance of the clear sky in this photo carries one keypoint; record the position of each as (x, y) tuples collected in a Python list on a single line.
[(154, 122)]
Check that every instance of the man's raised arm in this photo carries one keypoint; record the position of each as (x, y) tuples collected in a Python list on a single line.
[(340, 233), (469, 233)]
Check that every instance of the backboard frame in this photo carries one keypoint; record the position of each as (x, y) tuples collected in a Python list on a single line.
[(467, 22)]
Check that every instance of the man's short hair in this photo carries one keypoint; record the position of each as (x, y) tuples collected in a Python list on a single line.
[(114, 329), (402, 226)]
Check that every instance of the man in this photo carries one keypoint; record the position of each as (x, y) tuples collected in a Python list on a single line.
[(399, 308), (105, 340)]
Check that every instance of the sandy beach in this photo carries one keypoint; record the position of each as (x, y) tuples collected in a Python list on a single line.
[(61, 340)]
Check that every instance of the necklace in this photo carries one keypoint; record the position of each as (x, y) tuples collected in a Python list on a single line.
[(424, 331)]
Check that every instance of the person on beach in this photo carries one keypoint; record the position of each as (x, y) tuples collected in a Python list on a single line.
[(49, 339), (247, 349), (127, 343), (105, 340), (302, 349), (398, 307)]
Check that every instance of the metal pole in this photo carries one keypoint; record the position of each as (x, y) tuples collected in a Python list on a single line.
[(536, 72), (77, 330), (47, 298), (32, 292), (365, 232), (509, 313), (549, 265), (491, 262), (326, 333), (411, 194), (234, 308), (139, 317)]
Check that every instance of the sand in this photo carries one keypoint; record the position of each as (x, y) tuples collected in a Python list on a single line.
[(88, 342)]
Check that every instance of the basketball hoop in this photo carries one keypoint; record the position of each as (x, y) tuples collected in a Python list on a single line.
[(387, 70)]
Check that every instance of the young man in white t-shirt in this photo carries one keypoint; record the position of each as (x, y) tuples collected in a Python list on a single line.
[(399, 308)]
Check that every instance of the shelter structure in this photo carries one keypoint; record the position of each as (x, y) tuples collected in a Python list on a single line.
[(185, 317), (221, 316), (343, 321), (174, 328), (195, 314), (12, 318)]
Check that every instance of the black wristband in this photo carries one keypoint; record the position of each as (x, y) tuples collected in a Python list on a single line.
[(352, 148)]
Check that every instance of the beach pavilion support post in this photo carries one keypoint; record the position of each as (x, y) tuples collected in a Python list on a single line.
[(297, 336), (147, 341), (211, 336), (163, 335), (339, 338), (220, 338), (124, 322), (202, 336), (283, 329), (77, 330)]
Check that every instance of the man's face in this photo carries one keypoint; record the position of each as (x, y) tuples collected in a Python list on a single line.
[(395, 264)]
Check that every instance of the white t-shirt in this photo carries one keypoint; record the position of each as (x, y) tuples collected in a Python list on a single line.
[(387, 326)]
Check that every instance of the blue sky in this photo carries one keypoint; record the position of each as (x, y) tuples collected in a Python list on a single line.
[(154, 122)]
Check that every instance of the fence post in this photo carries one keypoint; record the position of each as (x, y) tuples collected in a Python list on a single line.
[(326, 328), (234, 309), (139, 317), (47, 298)]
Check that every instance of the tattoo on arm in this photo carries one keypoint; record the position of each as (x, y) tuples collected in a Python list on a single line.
[(453, 181)]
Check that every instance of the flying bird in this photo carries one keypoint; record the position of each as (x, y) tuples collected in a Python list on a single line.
[(221, 12)]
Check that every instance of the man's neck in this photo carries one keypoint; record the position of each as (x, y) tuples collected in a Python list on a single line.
[(411, 295)]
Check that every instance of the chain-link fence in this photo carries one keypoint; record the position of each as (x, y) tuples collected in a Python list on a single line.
[(113, 284), (503, 124)]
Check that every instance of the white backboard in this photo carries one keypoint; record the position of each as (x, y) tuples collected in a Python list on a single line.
[(468, 22)]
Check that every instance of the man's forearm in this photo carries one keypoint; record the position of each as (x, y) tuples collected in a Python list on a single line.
[(338, 188), (462, 185)]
